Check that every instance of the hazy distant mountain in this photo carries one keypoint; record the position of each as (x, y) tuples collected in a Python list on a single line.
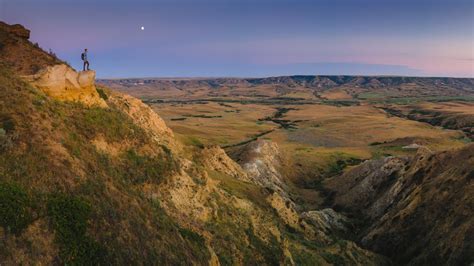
[(281, 86)]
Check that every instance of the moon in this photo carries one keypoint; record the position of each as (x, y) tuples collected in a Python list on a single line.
[(142, 28)]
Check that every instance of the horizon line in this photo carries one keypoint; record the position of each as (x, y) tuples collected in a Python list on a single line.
[(276, 76)]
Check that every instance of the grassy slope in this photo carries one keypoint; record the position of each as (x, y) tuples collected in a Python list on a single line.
[(47, 154), (64, 200)]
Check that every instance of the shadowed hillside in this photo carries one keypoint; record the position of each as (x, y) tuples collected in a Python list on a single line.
[(415, 210)]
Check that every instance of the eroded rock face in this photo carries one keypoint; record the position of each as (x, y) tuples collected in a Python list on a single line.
[(261, 161), (63, 83), (366, 186), (326, 220)]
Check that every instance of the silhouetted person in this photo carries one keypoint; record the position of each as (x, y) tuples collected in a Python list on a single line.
[(84, 58)]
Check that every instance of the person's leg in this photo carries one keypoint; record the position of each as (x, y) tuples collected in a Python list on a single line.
[(87, 65), (84, 66)]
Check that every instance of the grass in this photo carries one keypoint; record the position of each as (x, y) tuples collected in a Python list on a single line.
[(413, 100), (197, 243), (195, 142), (241, 189), (112, 124), (370, 95), (271, 252), (15, 208), (141, 168), (69, 216)]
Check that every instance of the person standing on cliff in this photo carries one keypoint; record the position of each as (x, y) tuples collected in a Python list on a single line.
[(84, 58)]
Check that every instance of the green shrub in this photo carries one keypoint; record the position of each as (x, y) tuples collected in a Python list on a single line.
[(15, 208), (102, 93), (7, 124), (69, 216)]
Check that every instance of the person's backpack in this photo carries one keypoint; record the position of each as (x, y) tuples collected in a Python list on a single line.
[(82, 56)]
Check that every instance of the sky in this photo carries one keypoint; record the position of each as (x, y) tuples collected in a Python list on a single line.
[(254, 38)]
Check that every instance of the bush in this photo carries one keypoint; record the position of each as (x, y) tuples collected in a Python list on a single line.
[(102, 93), (69, 216), (7, 124), (15, 209)]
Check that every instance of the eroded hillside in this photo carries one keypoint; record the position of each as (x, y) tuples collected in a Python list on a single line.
[(415, 210)]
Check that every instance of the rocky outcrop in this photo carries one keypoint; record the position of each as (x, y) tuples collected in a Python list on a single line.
[(327, 220), (261, 160), (63, 83)]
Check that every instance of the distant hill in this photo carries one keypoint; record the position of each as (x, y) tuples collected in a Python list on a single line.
[(355, 87)]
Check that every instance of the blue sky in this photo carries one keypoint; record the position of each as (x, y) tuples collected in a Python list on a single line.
[(254, 37)]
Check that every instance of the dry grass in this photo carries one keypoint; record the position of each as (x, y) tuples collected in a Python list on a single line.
[(229, 123)]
